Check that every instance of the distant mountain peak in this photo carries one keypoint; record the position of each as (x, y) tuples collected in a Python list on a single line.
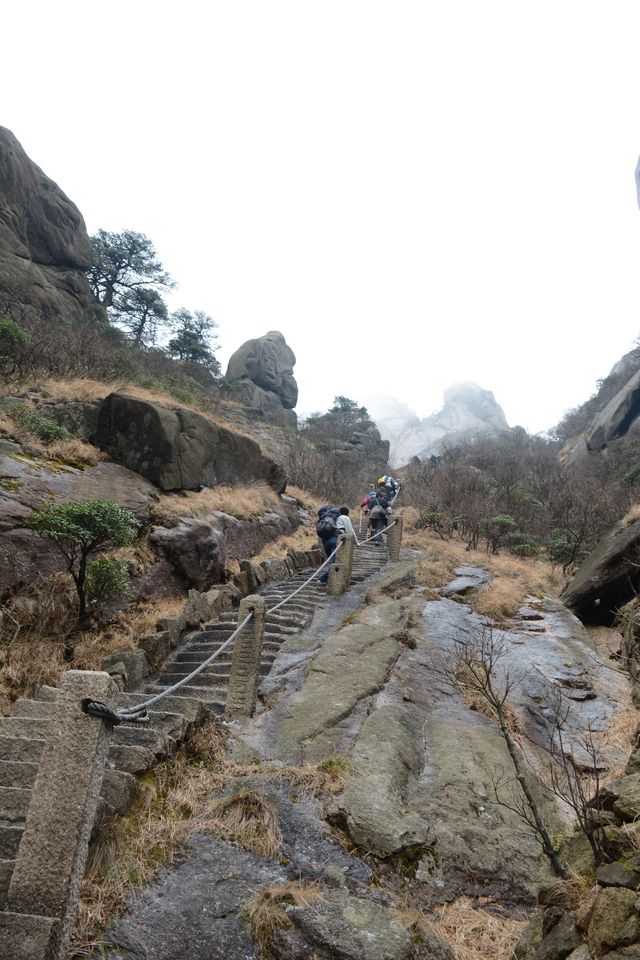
[(468, 410)]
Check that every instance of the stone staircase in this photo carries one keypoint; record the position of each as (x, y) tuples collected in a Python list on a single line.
[(210, 686), (134, 748)]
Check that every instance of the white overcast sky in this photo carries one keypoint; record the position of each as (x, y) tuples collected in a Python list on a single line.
[(414, 193)]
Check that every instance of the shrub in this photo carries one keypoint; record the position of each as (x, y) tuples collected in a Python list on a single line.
[(80, 528), (107, 579), (41, 427)]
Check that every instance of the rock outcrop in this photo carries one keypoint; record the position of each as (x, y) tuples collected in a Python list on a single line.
[(609, 578), (44, 246), (618, 417), (468, 411), (263, 371), (178, 449)]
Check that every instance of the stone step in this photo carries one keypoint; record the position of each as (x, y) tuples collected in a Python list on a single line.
[(40, 709), (24, 937), (132, 759), (10, 838), (45, 692), (16, 773), (14, 803), (31, 728), (26, 749), (190, 708), (142, 736), (208, 695), (6, 872), (203, 679)]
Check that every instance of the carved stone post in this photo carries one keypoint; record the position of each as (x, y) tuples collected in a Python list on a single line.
[(394, 538), (51, 858), (245, 661), (340, 570)]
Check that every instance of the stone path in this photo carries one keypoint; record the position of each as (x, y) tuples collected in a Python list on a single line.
[(134, 748)]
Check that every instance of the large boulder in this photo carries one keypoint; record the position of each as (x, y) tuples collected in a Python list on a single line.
[(179, 449), (44, 246), (618, 415), (609, 577), (267, 362)]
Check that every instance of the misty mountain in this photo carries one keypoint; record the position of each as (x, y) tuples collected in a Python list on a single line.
[(468, 411)]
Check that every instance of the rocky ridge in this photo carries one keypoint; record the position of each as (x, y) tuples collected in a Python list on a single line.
[(468, 412)]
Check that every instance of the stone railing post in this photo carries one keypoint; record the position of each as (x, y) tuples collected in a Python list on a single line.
[(394, 538), (245, 660), (339, 579), (51, 858)]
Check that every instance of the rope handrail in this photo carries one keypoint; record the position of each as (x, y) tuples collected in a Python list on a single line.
[(138, 713)]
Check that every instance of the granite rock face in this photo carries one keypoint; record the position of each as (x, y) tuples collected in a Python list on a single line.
[(609, 578), (44, 245), (263, 369), (618, 416), (179, 449)]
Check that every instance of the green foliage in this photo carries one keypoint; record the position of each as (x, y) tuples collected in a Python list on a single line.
[(85, 524), (80, 528), (41, 427), (192, 340), (496, 529), (107, 579), (565, 549), (340, 422), (11, 332)]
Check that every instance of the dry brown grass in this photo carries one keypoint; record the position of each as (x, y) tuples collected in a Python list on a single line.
[(172, 801), (308, 500), (75, 452), (130, 849), (266, 913), (476, 933), (248, 819), (513, 578), (90, 390), (244, 502)]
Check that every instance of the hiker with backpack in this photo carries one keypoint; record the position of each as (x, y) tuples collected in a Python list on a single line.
[(327, 530), (345, 527), (378, 513), (390, 486)]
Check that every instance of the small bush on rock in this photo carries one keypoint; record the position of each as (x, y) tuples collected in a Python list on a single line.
[(107, 579)]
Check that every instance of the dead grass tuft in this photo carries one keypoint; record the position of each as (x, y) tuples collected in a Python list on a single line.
[(248, 819), (244, 502), (75, 452), (266, 913), (130, 849), (474, 932), (513, 578)]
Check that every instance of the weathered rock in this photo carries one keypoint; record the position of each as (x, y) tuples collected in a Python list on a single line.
[(136, 665), (609, 577), (178, 449), (118, 789), (195, 549), (44, 244), (268, 362), (614, 921), (386, 752), (351, 928), (623, 797), (558, 941), (334, 689), (157, 646), (618, 874), (265, 405), (80, 419), (617, 416)]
